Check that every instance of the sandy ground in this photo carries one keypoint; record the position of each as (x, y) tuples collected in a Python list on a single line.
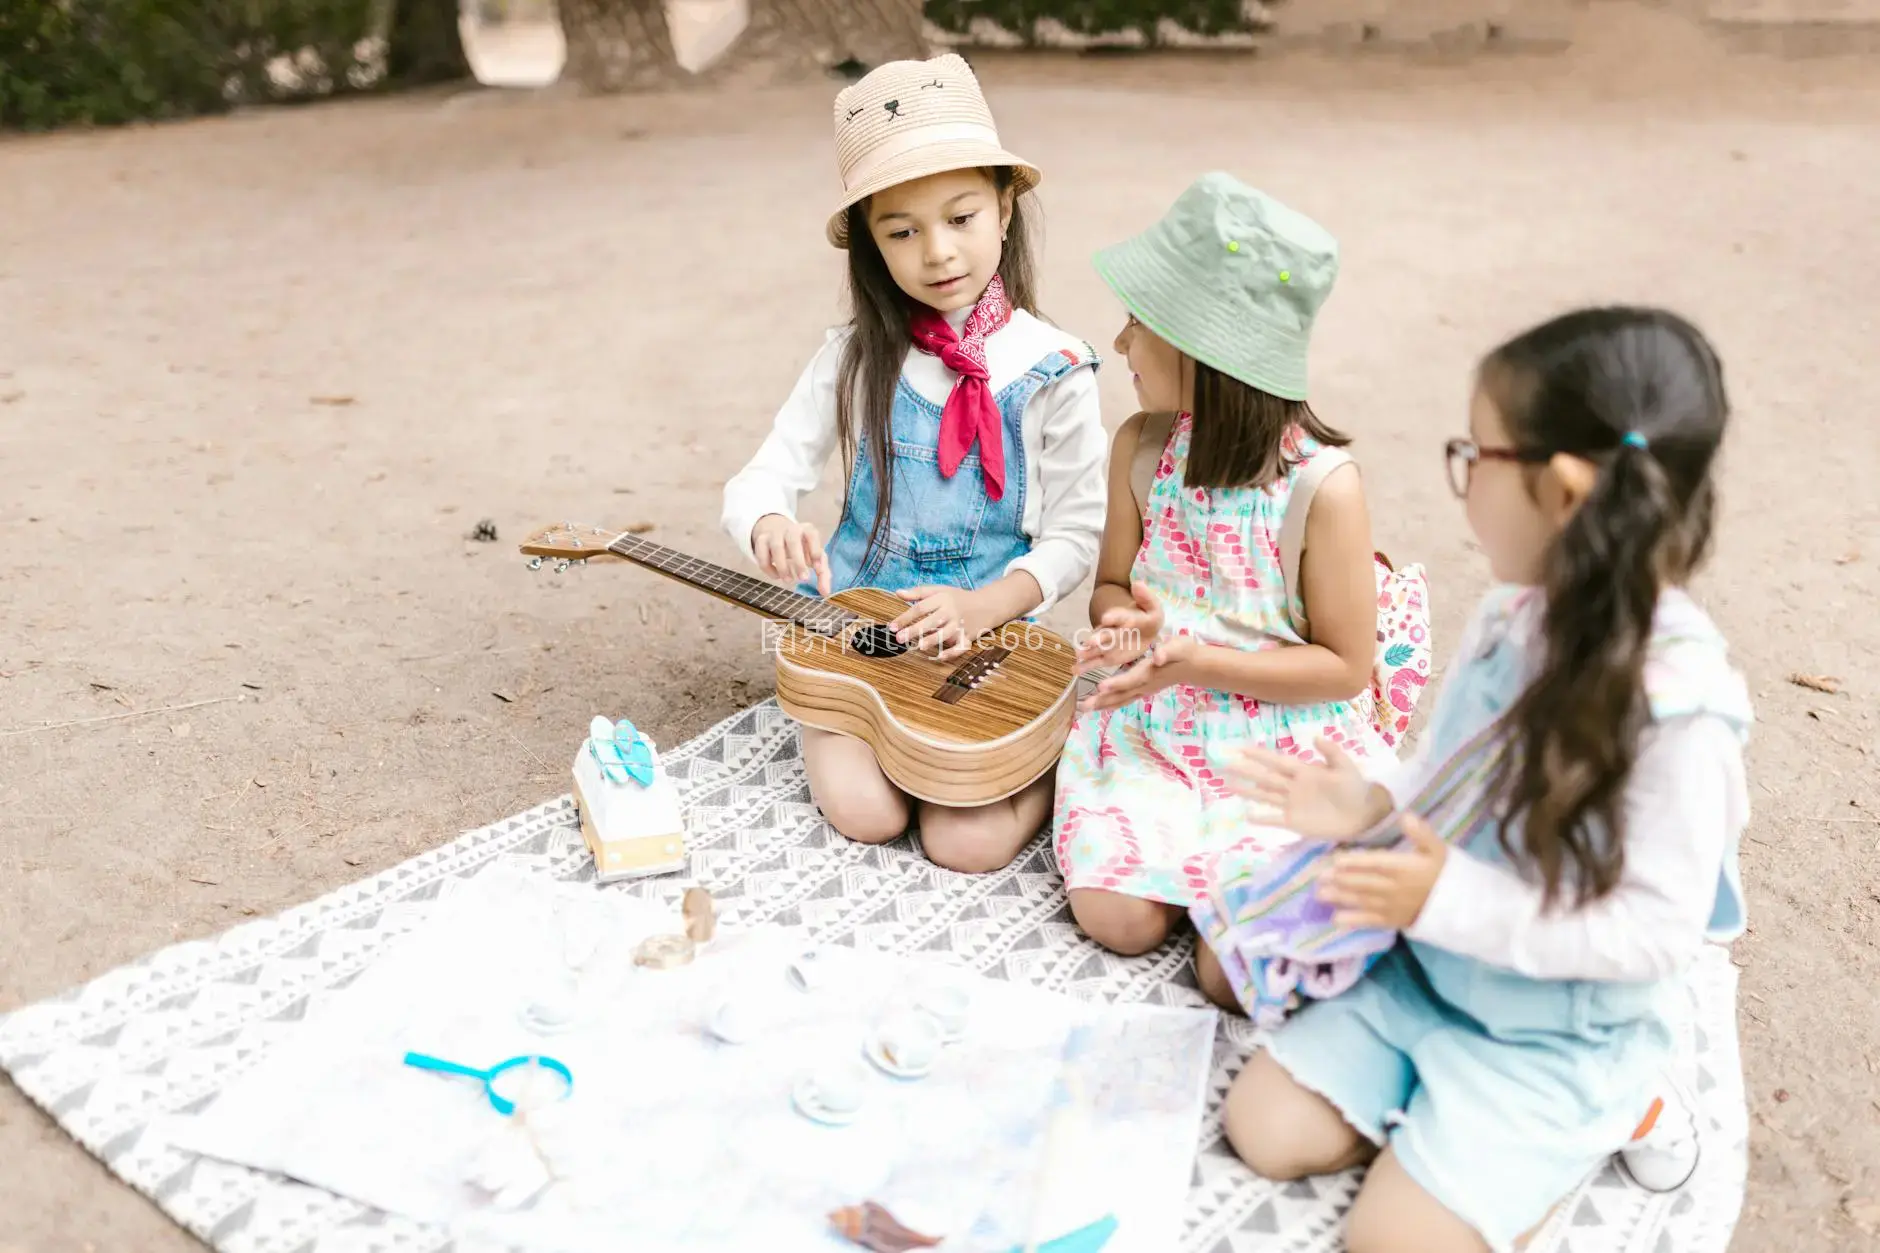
[(532, 308)]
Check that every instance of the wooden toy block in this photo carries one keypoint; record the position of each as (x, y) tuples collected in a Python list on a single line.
[(632, 831)]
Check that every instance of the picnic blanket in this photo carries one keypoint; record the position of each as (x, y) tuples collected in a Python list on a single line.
[(109, 1059)]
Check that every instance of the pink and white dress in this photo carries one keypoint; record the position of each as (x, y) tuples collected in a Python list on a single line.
[(1143, 806)]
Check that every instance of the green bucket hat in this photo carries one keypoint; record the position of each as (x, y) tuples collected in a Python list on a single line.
[(1233, 278)]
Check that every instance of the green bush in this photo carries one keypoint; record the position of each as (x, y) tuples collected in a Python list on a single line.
[(1093, 17), (101, 62)]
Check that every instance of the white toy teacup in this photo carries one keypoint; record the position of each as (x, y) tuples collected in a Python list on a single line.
[(838, 1088), (909, 1042), (808, 972), (733, 1020)]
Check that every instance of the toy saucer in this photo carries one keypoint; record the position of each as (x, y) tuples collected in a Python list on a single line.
[(878, 1056), (806, 1103), (544, 1018)]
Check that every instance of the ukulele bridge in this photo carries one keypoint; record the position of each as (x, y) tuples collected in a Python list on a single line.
[(970, 674)]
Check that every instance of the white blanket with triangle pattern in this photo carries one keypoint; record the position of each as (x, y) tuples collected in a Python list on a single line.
[(111, 1058)]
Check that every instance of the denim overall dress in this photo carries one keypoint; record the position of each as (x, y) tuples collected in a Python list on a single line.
[(1499, 1093), (943, 531)]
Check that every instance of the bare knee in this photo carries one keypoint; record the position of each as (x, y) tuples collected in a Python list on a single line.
[(865, 819), (978, 840), (1283, 1130), (855, 797), (1394, 1213), (1213, 980), (1128, 925)]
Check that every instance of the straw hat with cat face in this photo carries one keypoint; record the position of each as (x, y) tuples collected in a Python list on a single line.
[(908, 119)]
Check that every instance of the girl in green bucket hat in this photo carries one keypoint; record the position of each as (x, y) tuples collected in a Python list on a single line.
[(1220, 546)]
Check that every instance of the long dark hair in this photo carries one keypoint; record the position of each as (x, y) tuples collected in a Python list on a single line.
[(1240, 432), (1639, 393), (878, 343)]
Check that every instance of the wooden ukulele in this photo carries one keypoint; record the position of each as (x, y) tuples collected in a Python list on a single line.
[(962, 732)]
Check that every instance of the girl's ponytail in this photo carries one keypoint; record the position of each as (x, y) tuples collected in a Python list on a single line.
[(1638, 393), (1579, 722)]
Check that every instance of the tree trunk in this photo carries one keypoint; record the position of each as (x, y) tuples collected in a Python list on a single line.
[(877, 31), (618, 45), (797, 38), (781, 40), (425, 44)]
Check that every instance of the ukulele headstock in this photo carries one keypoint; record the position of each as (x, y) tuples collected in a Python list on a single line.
[(567, 543)]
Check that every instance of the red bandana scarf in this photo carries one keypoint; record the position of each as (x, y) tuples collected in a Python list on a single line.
[(971, 414)]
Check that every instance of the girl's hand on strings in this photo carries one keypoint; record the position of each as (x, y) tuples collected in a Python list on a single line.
[(943, 621), (1329, 801), (1378, 888), (1160, 667), (1122, 634), (790, 551)]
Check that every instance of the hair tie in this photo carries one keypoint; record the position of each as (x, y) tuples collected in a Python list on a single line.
[(1635, 439)]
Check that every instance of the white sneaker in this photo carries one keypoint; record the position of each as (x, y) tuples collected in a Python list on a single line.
[(1663, 1153)]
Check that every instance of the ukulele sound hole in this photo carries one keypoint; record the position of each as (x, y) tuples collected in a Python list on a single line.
[(877, 640)]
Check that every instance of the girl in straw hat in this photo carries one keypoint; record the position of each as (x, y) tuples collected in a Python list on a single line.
[(969, 426), (1221, 295)]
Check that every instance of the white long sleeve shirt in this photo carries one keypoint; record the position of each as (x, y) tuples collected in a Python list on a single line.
[(1066, 491), (1686, 799)]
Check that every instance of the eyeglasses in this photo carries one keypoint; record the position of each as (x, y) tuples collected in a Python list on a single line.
[(1461, 455)]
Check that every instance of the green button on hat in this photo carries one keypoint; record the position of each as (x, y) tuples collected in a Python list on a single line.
[(1233, 278)]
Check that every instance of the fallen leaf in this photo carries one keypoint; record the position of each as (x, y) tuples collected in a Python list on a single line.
[(1817, 683), (353, 861), (248, 912), (1848, 558), (123, 700), (334, 401), (504, 697), (484, 532), (260, 782), (639, 528), (102, 687), (208, 883), (253, 687), (180, 730)]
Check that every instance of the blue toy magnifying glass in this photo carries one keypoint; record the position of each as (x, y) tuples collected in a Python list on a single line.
[(517, 1072), (621, 751)]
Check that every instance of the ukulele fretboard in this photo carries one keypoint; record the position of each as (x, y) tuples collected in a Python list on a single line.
[(751, 592)]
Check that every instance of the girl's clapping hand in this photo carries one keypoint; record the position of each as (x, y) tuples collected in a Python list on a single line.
[(1160, 667), (1385, 888), (1329, 801), (1122, 634)]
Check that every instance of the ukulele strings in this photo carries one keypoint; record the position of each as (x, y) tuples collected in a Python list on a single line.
[(809, 611)]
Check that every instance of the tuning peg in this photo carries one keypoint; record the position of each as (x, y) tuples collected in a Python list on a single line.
[(535, 563), (561, 567)]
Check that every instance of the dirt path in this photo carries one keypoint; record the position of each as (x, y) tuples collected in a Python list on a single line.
[(259, 377)]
